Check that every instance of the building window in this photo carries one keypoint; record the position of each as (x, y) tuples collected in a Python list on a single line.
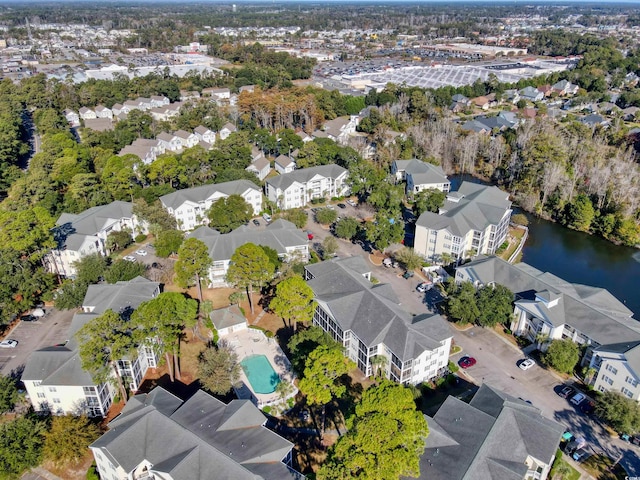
[(607, 379), (52, 389), (40, 395), (628, 393), (611, 369), (632, 381), (56, 400)]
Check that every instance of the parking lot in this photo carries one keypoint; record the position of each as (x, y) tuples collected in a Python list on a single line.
[(45, 332)]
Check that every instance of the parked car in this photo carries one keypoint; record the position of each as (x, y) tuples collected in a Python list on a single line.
[(142, 253), (575, 444), (387, 262), (309, 234), (588, 406), (423, 287), (256, 222), (527, 363), (28, 318), (466, 362), (352, 203), (267, 217), (578, 398), (581, 454), (8, 343), (129, 258), (407, 275), (567, 392), (342, 205)]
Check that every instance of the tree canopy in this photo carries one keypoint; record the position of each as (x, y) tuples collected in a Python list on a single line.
[(293, 301), (21, 443), (68, 438), (622, 413), (159, 323), (101, 343), (305, 341), (8, 393), (428, 201), (250, 267), (461, 305), (562, 355), (347, 228), (193, 264), (228, 213), (385, 438), (218, 369)]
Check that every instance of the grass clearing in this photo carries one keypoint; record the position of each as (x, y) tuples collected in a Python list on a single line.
[(603, 468)]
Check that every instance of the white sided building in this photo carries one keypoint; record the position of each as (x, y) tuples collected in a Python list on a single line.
[(54, 377), (297, 188), (82, 234), (284, 237), (473, 221), (368, 321), (189, 206)]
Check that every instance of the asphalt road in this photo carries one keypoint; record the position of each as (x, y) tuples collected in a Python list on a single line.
[(47, 331)]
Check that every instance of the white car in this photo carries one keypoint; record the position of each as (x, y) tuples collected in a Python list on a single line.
[(129, 258), (423, 287), (142, 253), (578, 398), (527, 363), (352, 203), (8, 343)]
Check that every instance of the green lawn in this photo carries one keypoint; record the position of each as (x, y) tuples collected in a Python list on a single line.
[(572, 473)]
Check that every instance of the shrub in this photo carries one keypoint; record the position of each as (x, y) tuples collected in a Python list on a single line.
[(140, 238), (266, 410), (453, 368), (520, 219), (92, 473)]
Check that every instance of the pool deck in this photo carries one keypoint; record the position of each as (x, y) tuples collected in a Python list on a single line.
[(254, 342)]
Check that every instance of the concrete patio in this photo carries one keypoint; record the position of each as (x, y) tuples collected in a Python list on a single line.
[(245, 343)]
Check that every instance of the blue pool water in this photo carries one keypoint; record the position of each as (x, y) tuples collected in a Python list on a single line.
[(261, 375)]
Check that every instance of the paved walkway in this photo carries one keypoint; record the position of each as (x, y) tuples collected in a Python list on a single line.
[(38, 473), (259, 317)]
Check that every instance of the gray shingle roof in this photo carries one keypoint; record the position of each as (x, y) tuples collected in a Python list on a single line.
[(119, 296), (196, 438), (591, 310), (373, 312), (94, 219), (477, 207), (279, 235), (227, 317), (62, 365), (487, 439), (422, 172), (200, 194), (303, 175), (283, 160)]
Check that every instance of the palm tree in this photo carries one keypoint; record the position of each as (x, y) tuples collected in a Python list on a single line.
[(541, 340), (378, 364)]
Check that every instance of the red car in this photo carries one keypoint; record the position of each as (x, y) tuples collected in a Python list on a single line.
[(309, 234), (466, 362)]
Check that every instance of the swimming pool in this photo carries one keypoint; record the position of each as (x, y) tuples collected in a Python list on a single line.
[(261, 375)]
